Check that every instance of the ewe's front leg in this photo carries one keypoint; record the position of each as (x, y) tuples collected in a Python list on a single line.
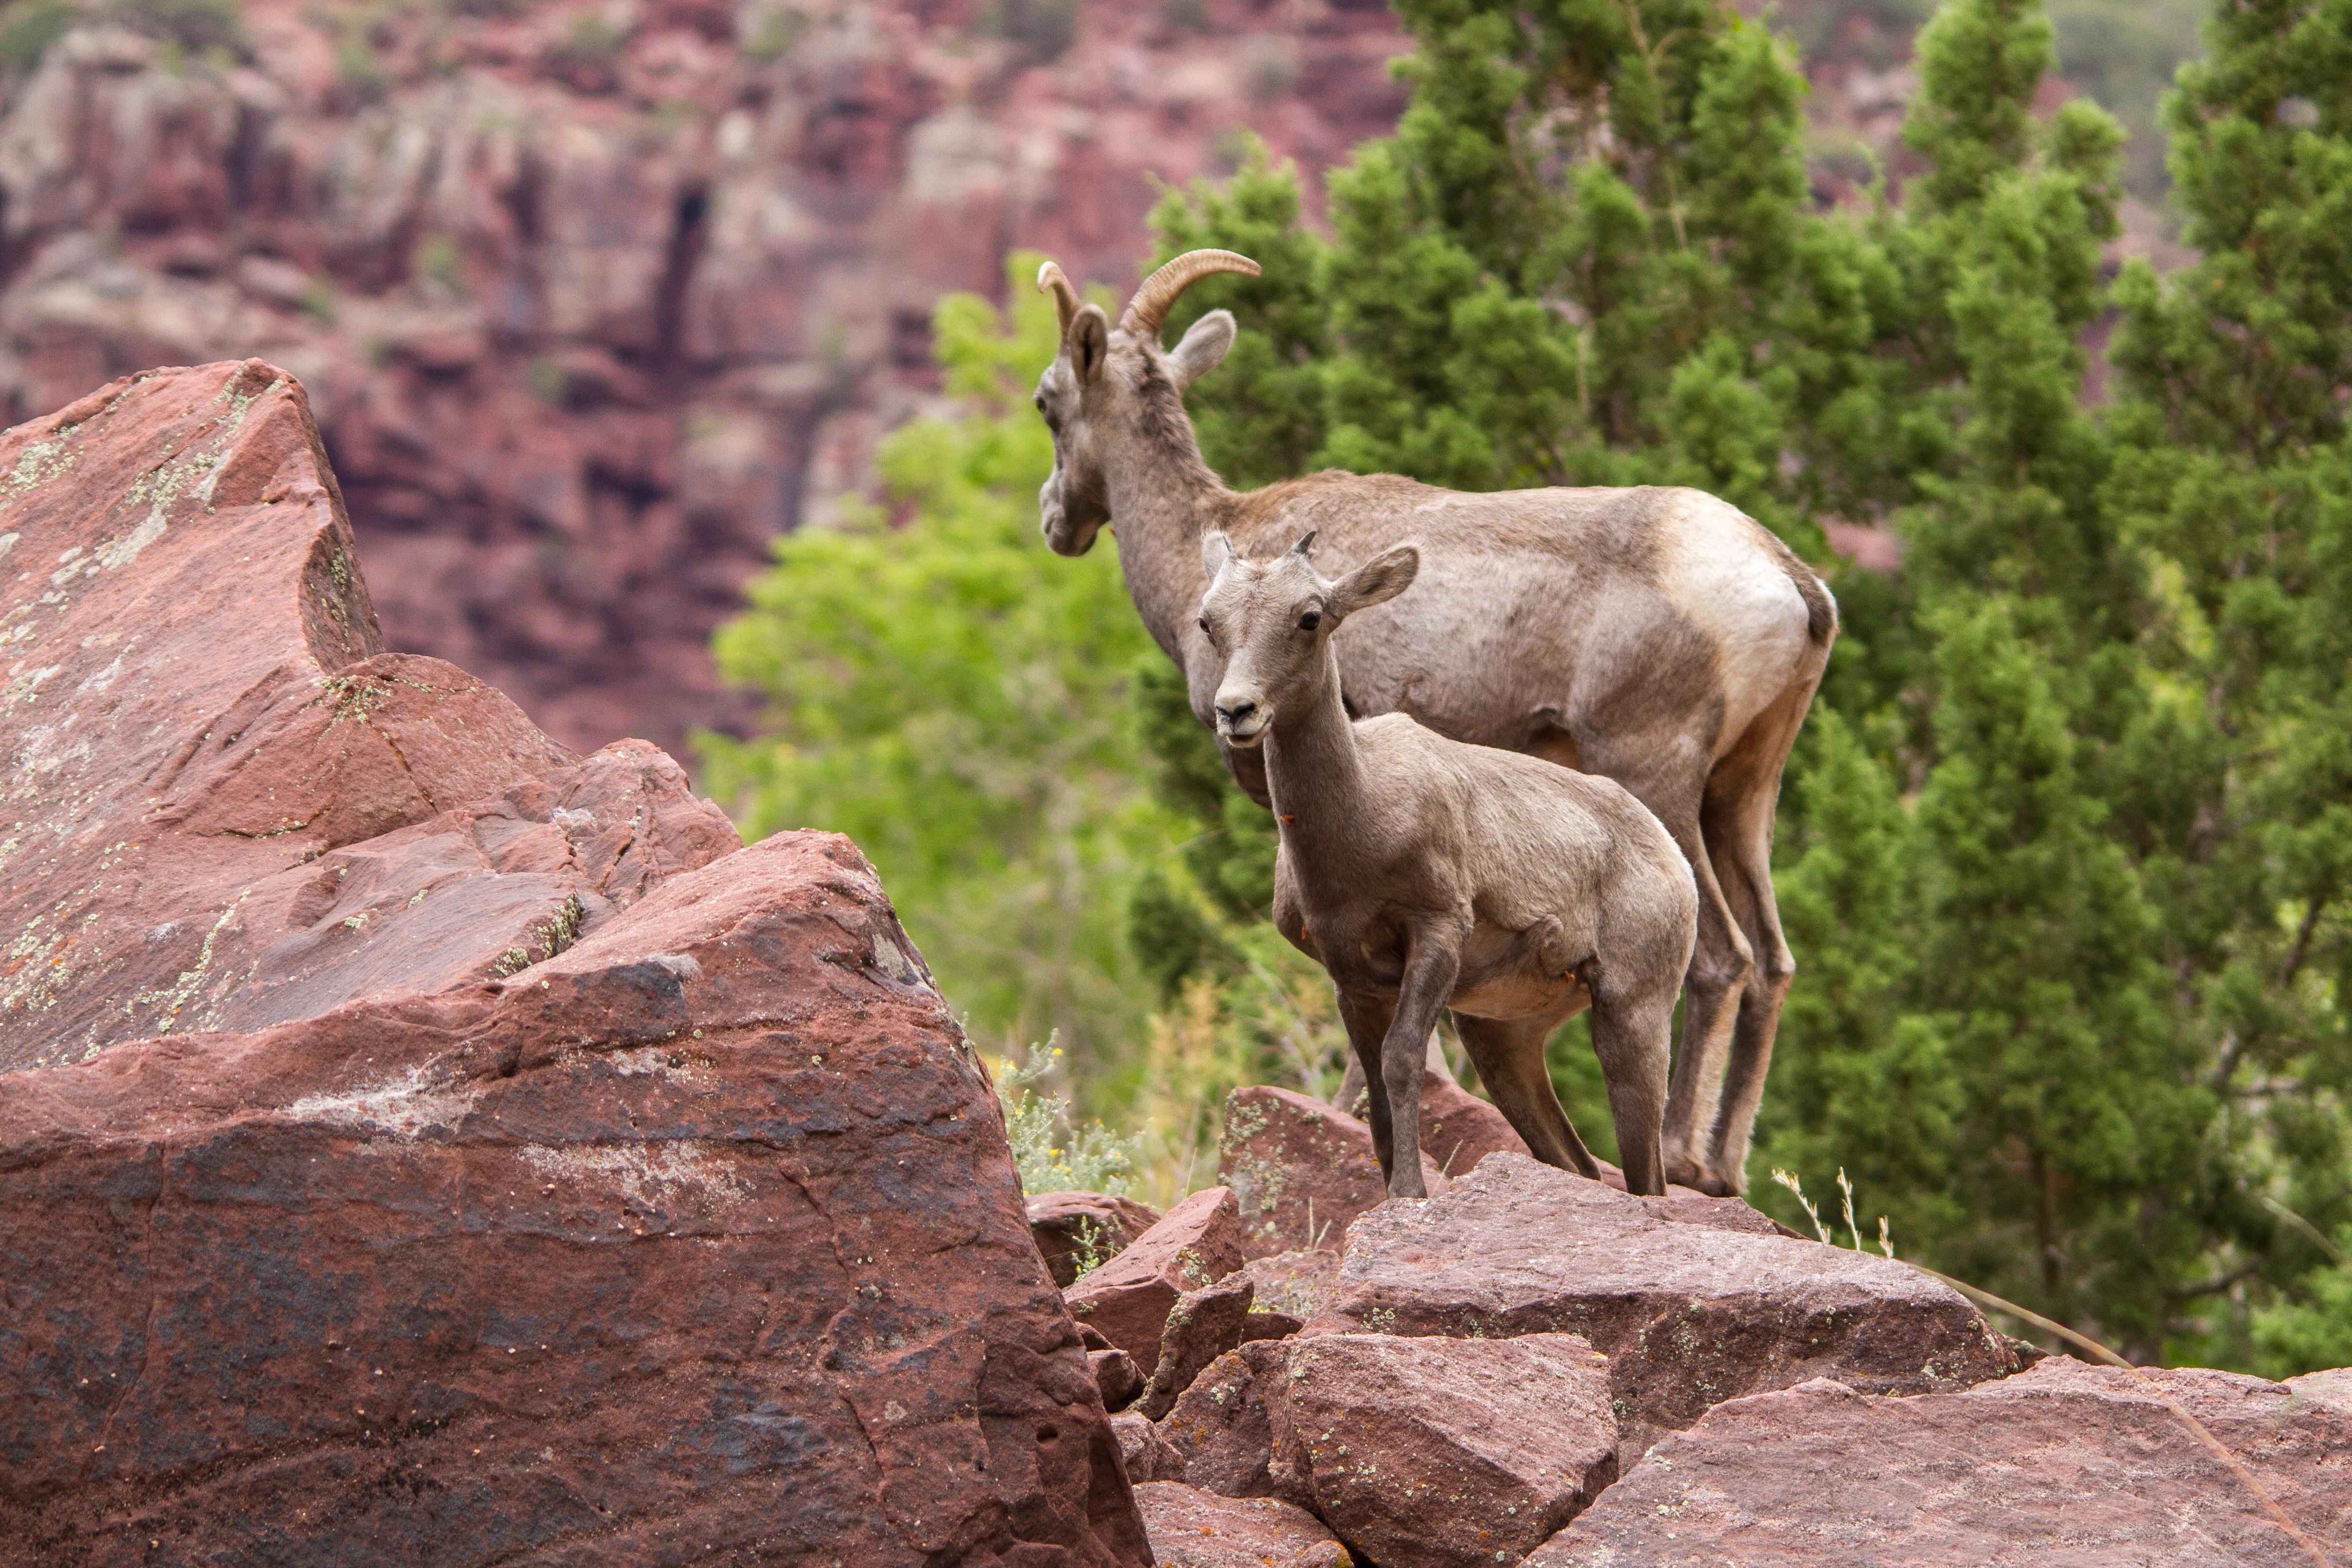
[(1429, 974), (1368, 1019)]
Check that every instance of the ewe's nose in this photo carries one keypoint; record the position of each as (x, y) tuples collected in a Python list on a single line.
[(1234, 711)]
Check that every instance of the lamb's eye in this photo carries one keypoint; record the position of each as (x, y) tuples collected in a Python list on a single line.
[(1204, 625), (1311, 620)]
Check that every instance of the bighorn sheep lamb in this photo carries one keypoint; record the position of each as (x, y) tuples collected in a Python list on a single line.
[(1426, 873), (1657, 637)]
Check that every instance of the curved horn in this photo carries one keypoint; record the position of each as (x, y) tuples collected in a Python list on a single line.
[(1051, 280), (1150, 305), (1304, 540)]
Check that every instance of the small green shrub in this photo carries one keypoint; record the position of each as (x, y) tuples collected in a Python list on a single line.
[(1052, 1152)]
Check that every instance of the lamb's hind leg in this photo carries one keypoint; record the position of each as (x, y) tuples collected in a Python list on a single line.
[(1510, 1061), (1633, 1035)]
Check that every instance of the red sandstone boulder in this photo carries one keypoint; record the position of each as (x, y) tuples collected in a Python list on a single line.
[(1127, 1299), (1694, 1300), (234, 809), (1117, 1375), (1146, 1456), (1075, 1228), (1222, 1429), (1291, 1284), (2064, 1463), (2333, 1387), (1193, 1529), (1203, 1325), (1458, 1128), (427, 1146), (1436, 1453), (1300, 1170)]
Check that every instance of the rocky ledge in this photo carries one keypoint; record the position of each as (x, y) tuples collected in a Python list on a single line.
[(1533, 1367), (419, 1143)]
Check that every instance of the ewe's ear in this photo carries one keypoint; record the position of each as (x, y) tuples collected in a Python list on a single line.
[(1203, 349), (1215, 551), (1089, 344), (1376, 581)]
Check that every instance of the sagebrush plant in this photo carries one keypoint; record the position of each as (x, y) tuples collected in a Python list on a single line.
[(1051, 1148)]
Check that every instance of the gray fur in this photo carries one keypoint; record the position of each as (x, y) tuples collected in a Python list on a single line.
[(1425, 873), (1656, 637)]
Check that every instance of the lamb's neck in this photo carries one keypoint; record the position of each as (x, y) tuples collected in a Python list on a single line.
[(1162, 503), (1315, 774)]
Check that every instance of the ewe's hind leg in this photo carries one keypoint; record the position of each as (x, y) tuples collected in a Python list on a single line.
[(1738, 820), (1510, 1062), (1669, 782), (1633, 1037)]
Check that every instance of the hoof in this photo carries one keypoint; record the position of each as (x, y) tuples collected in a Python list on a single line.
[(1684, 1171)]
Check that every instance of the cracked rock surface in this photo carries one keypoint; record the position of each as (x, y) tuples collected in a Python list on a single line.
[(2064, 1463), (425, 1145), (1693, 1300), (225, 804)]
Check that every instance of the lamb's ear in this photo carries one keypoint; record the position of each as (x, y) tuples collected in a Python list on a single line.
[(1215, 551), (1203, 348), (1376, 581), (1089, 344)]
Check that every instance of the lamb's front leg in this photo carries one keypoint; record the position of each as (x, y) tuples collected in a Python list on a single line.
[(1435, 962)]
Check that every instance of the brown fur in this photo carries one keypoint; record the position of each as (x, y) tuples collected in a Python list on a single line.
[(1424, 873), (1655, 635)]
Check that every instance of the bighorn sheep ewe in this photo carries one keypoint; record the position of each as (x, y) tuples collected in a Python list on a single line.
[(1656, 637), (1426, 873)]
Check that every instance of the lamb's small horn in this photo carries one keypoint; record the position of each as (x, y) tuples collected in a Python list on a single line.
[(1148, 309), (1304, 540), (1051, 279)]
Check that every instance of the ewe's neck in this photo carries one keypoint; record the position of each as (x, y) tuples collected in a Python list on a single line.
[(1313, 770), (1163, 499)]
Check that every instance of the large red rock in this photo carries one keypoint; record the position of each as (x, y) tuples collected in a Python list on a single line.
[(2065, 1465), (1292, 1284), (1300, 1170), (1222, 1429), (1194, 1529), (1076, 1228), (1127, 1299), (1458, 1128), (1694, 1300), (1203, 1325), (216, 760), (1146, 1454), (1436, 1453), (427, 1146)]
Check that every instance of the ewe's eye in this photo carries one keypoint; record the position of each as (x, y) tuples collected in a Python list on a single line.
[(1311, 620), (1039, 399)]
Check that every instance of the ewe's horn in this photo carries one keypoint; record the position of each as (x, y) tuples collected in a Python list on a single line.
[(1150, 305), (1051, 279)]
